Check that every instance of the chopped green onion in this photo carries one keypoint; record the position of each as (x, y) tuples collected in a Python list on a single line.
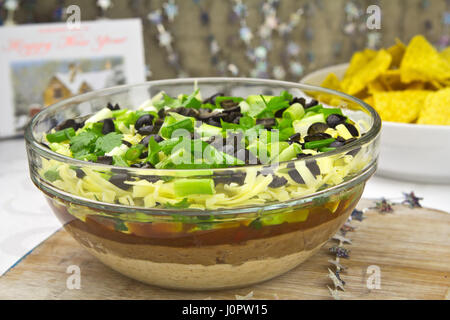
[(60, 136), (185, 187), (289, 153), (317, 108), (134, 152), (326, 149), (319, 144), (120, 161), (327, 111), (118, 113), (294, 112), (176, 122)]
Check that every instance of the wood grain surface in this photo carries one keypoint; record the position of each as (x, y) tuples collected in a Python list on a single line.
[(410, 246)]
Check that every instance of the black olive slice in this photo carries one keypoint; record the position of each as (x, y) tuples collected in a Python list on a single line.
[(295, 175), (303, 155), (119, 181), (212, 99), (128, 144), (352, 129), (318, 127), (277, 182), (317, 137), (145, 120), (311, 104), (335, 119), (267, 122), (105, 160), (301, 100), (108, 126), (146, 130), (80, 173), (113, 108), (69, 123), (295, 137), (313, 167)]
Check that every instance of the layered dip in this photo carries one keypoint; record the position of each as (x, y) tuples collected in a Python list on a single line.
[(194, 192)]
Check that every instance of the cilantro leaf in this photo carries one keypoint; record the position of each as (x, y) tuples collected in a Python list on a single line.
[(106, 143), (82, 143), (153, 149), (191, 101), (277, 103), (167, 101)]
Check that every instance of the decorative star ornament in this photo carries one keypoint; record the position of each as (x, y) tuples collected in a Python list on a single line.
[(240, 9), (358, 215), (341, 239), (340, 252), (337, 264), (279, 73), (352, 11), (104, 5), (261, 53), (246, 34), (383, 206), (165, 38), (412, 200), (171, 10), (155, 17), (296, 68), (10, 6), (334, 293), (336, 281), (293, 49)]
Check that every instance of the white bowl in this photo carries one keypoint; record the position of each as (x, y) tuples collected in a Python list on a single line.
[(419, 153)]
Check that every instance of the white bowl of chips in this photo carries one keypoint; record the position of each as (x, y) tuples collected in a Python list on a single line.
[(410, 149)]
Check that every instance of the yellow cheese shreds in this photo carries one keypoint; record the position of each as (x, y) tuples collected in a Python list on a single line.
[(436, 109), (423, 62), (399, 106), (366, 73)]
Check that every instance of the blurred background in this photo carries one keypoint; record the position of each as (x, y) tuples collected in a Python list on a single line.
[(282, 39)]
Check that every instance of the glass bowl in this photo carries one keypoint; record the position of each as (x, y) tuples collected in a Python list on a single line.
[(245, 233)]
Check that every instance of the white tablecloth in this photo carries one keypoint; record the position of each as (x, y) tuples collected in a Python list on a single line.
[(26, 219)]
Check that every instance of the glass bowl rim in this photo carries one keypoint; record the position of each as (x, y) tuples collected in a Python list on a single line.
[(43, 151)]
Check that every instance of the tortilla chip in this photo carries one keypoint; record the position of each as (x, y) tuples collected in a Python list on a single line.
[(376, 85), (358, 61), (422, 62), (446, 54), (369, 54), (370, 101), (436, 109), (397, 52), (399, 106), (392, 80), (361, 75), (332, 82), (416, 85)]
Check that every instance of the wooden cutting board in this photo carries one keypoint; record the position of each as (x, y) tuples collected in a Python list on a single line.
[(410, 246)]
